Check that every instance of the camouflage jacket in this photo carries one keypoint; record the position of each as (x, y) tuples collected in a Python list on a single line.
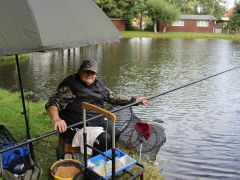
[(65, 95), (72, 92)]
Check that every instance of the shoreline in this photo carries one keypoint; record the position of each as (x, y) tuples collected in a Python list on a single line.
[(182, 35)]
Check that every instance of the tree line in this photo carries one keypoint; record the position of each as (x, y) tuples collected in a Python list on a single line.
[(234, 23), (165, 11)]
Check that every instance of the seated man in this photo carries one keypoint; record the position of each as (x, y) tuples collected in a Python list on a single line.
[(64, 107)]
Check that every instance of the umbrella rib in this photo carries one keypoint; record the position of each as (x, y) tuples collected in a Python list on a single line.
[(36, 27)]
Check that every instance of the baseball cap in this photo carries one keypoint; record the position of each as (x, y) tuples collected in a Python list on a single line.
[(88, 65)]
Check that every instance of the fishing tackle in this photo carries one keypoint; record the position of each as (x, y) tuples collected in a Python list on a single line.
[(116, 110)]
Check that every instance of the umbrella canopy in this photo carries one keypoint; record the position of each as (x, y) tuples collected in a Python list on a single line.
[(39, 25)]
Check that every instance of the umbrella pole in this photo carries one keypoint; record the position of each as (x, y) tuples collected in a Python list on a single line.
[(24, 106)]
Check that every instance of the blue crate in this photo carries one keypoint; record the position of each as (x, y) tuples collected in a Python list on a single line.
[(103, 166)]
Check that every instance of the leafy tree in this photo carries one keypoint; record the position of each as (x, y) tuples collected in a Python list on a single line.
[(160, 10), (234, 23), (116, 8), (185, 6), (107, 6), (139, 9), (170, 14), (213, 7)]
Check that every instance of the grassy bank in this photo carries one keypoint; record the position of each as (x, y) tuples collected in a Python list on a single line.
[(13, 58), (131, 34), (11, 117), (45, 149)]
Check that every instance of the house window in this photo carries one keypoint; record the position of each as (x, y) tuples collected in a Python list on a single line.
[(178, 23), (202, 23)]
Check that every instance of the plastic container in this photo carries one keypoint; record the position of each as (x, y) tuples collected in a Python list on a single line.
[(103, 169), (125, 160), (103, 166), (118, 164)]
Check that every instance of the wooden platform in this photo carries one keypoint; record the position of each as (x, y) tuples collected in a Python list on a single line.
[(67, 148)]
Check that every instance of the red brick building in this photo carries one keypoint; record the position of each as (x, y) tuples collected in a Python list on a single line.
[(191, 23), (119, 23)]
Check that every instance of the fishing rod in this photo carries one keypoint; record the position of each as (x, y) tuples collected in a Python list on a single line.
[(113, 111), (189, 84)]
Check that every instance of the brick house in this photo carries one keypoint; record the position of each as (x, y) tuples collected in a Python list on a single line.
[(191, 23), (119, 23)]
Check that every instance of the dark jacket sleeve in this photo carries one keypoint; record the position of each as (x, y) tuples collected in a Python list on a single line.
[(61, 98), (121, 100)]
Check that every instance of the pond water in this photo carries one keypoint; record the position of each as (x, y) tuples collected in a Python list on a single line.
[(201, 121)]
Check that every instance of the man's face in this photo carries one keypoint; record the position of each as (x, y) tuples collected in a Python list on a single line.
[(88, 77)]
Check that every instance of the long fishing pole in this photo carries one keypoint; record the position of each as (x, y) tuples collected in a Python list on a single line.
[(186, 85), (119, 109)]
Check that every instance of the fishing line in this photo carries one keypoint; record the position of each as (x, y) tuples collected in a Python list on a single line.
[(119, 109), (186, 85)]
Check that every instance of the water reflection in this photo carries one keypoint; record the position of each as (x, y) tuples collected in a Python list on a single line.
[(201, 121)]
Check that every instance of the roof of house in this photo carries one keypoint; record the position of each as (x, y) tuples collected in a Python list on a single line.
[(229, 12), (197, 17)]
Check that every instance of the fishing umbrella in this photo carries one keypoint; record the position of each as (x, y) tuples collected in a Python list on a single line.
[(40, 25)]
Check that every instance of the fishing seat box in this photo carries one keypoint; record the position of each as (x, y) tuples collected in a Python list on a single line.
[(65, 147)]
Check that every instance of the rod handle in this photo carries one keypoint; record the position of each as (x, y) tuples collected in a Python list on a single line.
[(106, 113)]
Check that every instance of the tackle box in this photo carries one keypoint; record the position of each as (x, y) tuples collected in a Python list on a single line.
[(102, 165)]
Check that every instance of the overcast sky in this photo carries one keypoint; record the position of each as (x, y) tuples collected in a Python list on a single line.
[(230, 3)]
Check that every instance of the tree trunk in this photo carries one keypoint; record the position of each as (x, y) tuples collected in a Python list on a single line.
[(164, 29), (158, 26), (141, 20), (155, 26)]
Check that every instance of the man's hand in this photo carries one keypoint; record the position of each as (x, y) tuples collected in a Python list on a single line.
[(60, 125), (142, 100)]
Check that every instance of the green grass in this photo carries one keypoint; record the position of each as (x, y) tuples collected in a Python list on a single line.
[(12, 58), (131, 34), (40, 123), (11, 117), (152, 171)]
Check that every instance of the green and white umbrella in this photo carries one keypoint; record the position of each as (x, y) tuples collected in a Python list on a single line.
[(41, 25)]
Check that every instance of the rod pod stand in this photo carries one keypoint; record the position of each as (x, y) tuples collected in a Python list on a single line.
[(109, 115)]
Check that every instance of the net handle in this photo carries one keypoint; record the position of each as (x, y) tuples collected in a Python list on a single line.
[(106, 113)]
